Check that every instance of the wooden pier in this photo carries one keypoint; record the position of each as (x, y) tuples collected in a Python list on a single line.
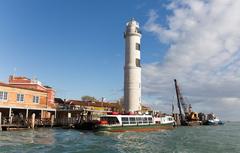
[(63, 118), (22, 123), (11, 127), (72, 118)]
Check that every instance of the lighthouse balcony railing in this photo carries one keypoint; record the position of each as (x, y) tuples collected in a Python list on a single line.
[(132, 31)]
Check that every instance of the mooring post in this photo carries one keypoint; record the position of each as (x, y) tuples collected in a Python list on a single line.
[(10, 115), (0, 121), (26, 113), (52, 120), (33, 121)]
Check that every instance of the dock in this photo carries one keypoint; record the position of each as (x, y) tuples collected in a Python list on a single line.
[(20, 124)]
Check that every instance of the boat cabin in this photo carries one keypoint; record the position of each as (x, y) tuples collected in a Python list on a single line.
[(129, 120), (164, 120)]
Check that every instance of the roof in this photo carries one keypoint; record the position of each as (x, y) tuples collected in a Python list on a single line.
[(58, 100), (48, 87), (13, 86), (90, 103)]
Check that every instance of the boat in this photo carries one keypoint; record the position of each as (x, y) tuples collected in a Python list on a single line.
[(167, 119), (187, 117), (212, 120), (137, 123)]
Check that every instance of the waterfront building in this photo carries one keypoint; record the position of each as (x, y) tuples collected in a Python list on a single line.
[(70, 112), (21, 97), (132, 68), (95, 105), (87, 105), (99, 107)]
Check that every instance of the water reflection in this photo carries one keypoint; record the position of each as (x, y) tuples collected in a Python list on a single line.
[(39, 136)]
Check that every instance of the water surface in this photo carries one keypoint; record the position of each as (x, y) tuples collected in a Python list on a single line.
[(204, 139)]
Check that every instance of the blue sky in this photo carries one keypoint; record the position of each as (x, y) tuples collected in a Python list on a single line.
[(75, 46)]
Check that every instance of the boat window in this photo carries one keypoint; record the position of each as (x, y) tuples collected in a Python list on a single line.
[(125, 120), (139, 120), (132, 120), (150, 120), (145, 120), (110, 120)]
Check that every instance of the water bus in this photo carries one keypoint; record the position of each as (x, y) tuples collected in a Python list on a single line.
[(120, 123)]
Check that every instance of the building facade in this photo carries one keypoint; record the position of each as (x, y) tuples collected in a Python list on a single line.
[(21, 97)]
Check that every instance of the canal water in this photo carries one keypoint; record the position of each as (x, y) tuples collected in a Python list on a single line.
[(204, 139)]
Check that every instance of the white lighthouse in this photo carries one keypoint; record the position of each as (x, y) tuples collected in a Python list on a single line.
[(132, 68)]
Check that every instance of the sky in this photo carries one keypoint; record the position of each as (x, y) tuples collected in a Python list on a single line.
[(77, 47)]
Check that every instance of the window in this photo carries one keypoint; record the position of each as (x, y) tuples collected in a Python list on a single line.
[(110, 120), (138, 62), (138, 31), (150, 120), (36, 99), (3, 96), (20, 97), (137, 46), (132, 120), (125, 120), (139, 120), (145, 120)]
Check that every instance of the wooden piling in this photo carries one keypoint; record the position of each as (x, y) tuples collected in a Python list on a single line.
[(0, 121), (177, 119), (33, 121), (52, 120)]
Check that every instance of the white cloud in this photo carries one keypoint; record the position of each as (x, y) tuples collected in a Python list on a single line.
[(204, 54)]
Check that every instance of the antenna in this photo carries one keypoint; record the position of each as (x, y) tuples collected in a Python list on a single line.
[(14, 71), (34, 77)]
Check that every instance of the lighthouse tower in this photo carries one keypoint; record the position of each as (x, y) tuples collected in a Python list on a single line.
[(132, 68)]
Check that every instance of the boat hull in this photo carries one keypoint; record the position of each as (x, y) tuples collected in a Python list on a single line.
[(136, 128), (213, 123)]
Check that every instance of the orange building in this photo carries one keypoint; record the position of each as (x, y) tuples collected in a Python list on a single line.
[(23, 97)]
